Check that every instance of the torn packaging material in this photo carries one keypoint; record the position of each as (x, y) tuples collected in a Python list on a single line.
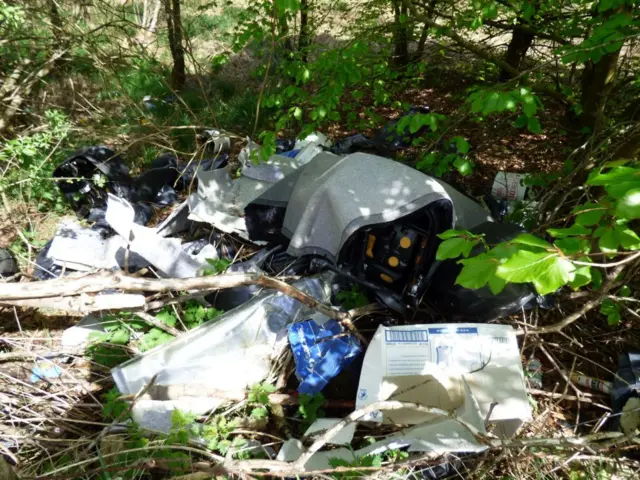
[(320, 351), (82, 249), (221, 200), (165, 254), (486, 356), (460, 368), (230, 352)]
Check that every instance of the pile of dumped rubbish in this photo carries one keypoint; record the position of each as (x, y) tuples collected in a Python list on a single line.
[(325, 218)]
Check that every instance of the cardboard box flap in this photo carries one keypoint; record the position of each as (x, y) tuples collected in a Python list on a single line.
[(441, 390)]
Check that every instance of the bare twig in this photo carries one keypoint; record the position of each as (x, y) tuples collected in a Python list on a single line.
[(150, 319)]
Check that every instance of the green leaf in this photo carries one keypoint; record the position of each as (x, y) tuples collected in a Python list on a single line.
[(534, 125), (573, 245), (297, 113), (416, 123), (477, 271), (589, 214), (521, 121), (496, 284), (582, 277), (454, 247), (490, 103), (288, 4), (154, 338), (529, 106), (609, 240), (547, 271), (628, 238), (477, 103), (461, 144), (575, 229), (455, 233), (120, 336), (625, 291), (532, 241), (427, 162), (463, 166), (621, 188), (615, 175), (259, 413), (629, 205), (167, 318), (612, 310)]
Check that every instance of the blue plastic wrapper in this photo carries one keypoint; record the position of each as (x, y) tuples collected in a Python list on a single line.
[(320, 353), (290, 153), (45, 370)]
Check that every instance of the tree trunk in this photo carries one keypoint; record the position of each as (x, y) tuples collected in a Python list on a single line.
[(153, 20), (521, 41), (174, 26), (304, 39), (425, 30), (400, 35), (56, 31), (597, 81)]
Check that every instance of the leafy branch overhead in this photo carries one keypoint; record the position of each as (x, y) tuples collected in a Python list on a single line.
[(566, 257)]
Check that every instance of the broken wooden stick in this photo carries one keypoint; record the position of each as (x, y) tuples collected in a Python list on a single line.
[(64, 289)]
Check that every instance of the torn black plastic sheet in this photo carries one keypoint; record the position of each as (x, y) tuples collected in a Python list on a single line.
[(88, 175)]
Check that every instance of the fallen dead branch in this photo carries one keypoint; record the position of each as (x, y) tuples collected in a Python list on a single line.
[(75, 287)]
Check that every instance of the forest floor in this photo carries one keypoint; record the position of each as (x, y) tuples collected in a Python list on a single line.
[(54, 420)]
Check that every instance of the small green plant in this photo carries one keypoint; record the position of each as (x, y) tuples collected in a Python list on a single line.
[(195, 314), (353, 298), (310, 407), (113, 407), (366, 461), (216, 433), (259, 396), (30, 161), (217, 265), (109, 348)]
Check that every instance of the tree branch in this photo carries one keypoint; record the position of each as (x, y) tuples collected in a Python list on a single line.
[(18, 293)]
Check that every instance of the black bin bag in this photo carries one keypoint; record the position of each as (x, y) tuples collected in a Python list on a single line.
[(480, 305), (88, 175)]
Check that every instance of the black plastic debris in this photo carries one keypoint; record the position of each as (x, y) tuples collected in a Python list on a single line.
[(89, 174), (229, 298), (626, 385), (187, 171), (224, 248), (45, 268), (390, 136), (278, 262), (386, 141), (481, 305), (355, 143), (264, 222), (8, 264), (284, 145)]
